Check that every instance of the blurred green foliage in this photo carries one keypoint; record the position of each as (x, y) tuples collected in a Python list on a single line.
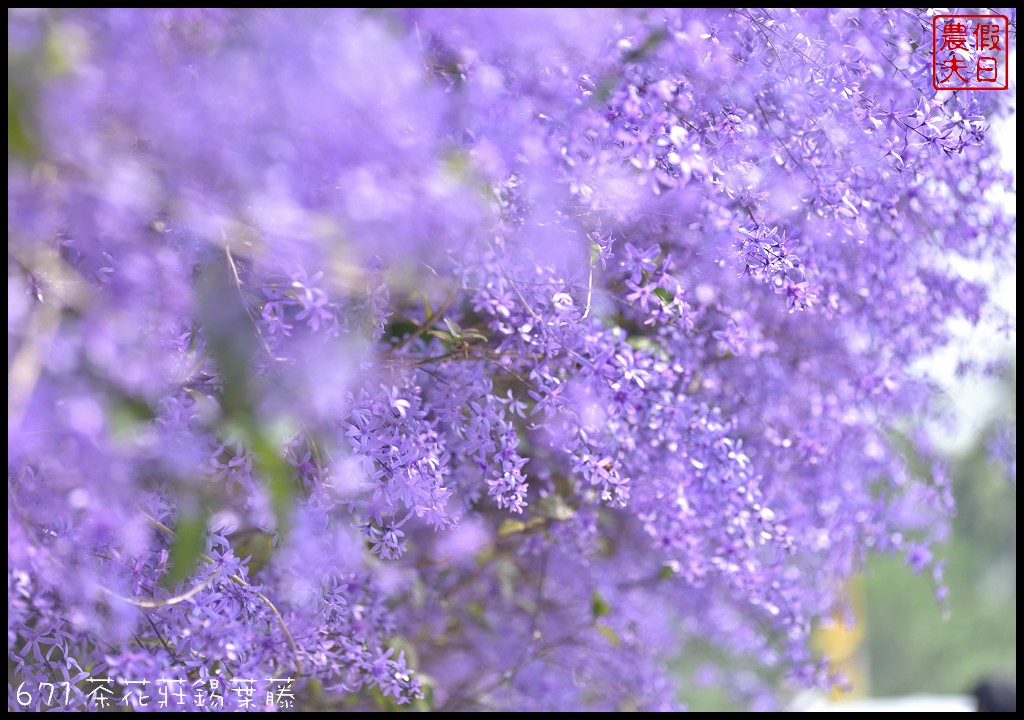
[(911, 646)]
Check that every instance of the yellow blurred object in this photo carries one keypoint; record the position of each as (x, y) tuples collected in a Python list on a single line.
[(842, 644)]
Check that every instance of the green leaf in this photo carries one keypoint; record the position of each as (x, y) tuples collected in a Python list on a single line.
[(610, 635), (385, 703), (233, 340), (595, 253), (278, 475), (254, 544), (231, 334), (453, 328), (189, 538), (402, 644), (606, 87), (653, 40), (510, 527), (599, 607), (398, 329), (127, 415), (429, 311), (425, 703), (22, 141), (648, 345)]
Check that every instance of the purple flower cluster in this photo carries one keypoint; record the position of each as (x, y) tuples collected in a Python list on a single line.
[(472, 359)]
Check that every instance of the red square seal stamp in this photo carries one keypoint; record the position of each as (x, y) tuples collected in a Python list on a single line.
[(970, 52)]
